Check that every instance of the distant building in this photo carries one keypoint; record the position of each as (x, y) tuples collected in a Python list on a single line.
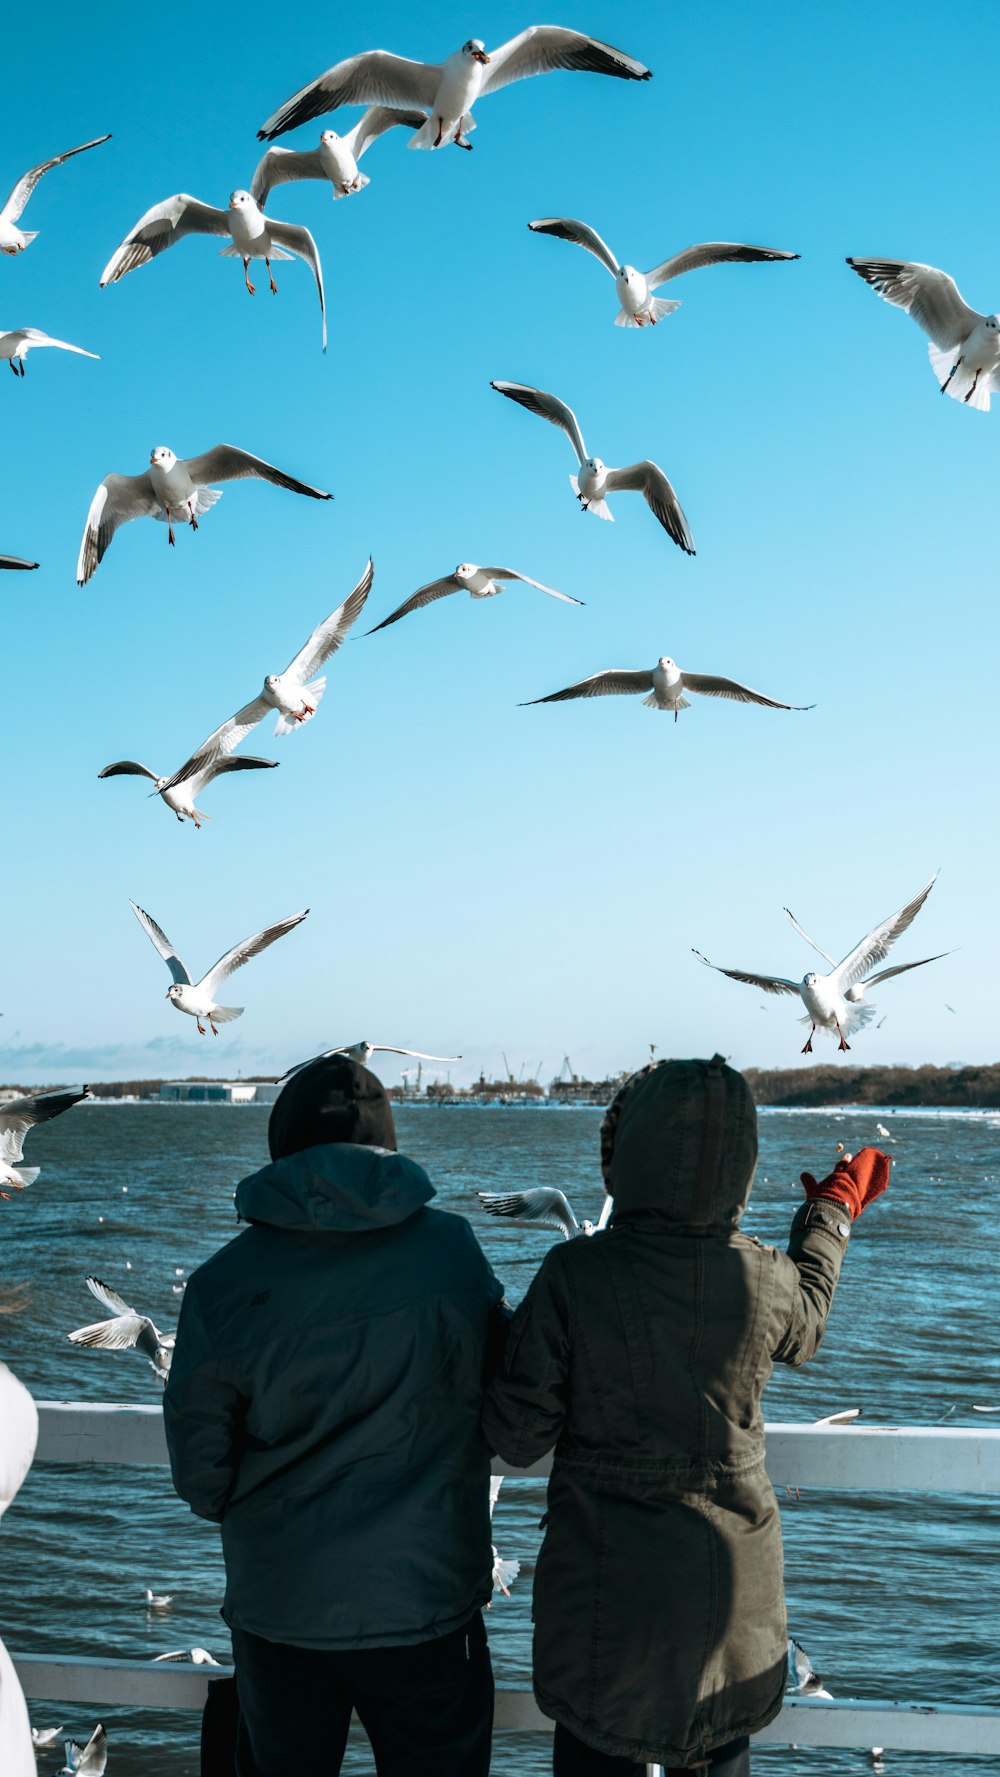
[(208, 1092)]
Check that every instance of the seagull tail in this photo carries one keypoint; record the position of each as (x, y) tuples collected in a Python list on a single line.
[(601, 509), (236, 253), (312, 695), (652, 703), (424, 136), (360, 183), (960, 384), (29, 235), (659, 306), (225, 1015), (857, 1018), (23, 1175)]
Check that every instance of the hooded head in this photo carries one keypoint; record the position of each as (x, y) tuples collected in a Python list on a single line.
[(334, 1099), (680, 1138)]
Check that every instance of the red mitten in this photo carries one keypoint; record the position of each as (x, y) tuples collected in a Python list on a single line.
[(854, 1182)]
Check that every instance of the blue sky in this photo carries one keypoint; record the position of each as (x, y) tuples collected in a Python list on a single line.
[(484, 877)]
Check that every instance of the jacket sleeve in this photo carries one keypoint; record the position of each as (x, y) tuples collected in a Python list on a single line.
[(816, 1246), (527, 1401), (204, 1413)]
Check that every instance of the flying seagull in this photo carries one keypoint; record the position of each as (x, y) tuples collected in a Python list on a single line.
[(127, 1330), (448, 90), (362, 1052), (17, 1116), (544, 1204), (198, 1656), (87, 1761), (336, 158), (802, 1674), (836, 1002), (197, 998), (479, 583), (251, 235), (640, 308), (12, 239), (181, 792), (294, 694), (666, 684), (16, 345), (173, 489), (16, 561), (964, 345), (595, 479)]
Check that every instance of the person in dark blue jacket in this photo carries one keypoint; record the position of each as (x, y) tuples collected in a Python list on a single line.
[(323, 1408)]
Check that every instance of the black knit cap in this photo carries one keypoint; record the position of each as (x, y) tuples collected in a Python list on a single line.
[(334, 1099)]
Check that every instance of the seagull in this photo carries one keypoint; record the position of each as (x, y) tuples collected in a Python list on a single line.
[(965, 345), (666, 684), (836, 1002), (128, 1330), (595, 479), (172, 488), (89, 1760), (46, 1736), (547, 1205), (16, 561), (12, 239), (198, 1656), (883, 1132), (17, 1116), (336, 158), (294, 694), (802, 1674), (640, 308), (16, 345), (158, 1600), (252, 235), (846, 1416), (479, 583), (182, 790), (362, 1053), (504, 1572), (448, 90), (197, 998)]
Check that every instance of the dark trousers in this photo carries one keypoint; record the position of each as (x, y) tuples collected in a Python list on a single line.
[(571, 1758), (427, 1710)]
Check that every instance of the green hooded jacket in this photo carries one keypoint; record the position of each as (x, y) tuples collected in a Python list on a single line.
[(324, 1401), (641, 1355)]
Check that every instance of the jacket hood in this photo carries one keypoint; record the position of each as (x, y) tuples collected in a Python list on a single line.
[(681, 1139), (337, 1188), (332, 1098)]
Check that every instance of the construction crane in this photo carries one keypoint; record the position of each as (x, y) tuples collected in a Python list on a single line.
[(510, 1078)]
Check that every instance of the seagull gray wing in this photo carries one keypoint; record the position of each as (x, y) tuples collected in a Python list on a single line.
[(26, 184), (120, 1334), (376, 120), (418, 1054), (374, 77), (901, 968), (158, 938), (766, 983), (512, 574), (332, 632), (617, 681), (241, 953), (607, 1211), (16, 561), (93, 1756), (565, 229), (876, 946), (18, 1115), (222, 740), (804, 934), (929, 295), (547, 407), (545, 1204), (542, 49), (707, 685), (238, 762), (162, 227), (299, 240), (224, 462), (112, 1301), (648, 479), (128, 768), (711, 253), (424, 595), (278, 165), (118, 500)]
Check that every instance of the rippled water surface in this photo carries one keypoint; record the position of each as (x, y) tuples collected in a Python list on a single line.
[(894, 1596)]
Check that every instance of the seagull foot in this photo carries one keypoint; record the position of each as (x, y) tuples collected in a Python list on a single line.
[(214, 1031), (807, 1048), (843, 1046), (246, 278), (21, 366), (967, 398), (194, 522), (201, 1027), (171, 539), (270, 274), (437, 139), (12, 365)]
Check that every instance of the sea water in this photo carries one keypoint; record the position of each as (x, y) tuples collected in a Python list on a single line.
[(894, 1596)]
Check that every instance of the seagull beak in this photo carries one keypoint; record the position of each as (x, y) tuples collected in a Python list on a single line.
[(481, 56)]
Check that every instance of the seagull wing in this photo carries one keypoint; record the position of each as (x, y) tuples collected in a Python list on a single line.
[(929, 295), (607, 1211), (127, 768), (238, 762), (162, 227), (241, 953), (16, 561), (161, 942), (222, 740), (707, 685), (547, 407), (278, 165), (545, 1204), (376, 120), (424, 595), (542, 49), (649, 480), (118, 500), (565, 229), (766, 983), (876, 946), (420, 1054), (374, 77), (804, 934), (112, 1301), (225, 463), (616, 681), (120, 1334), (512, 574), (299, 240), (332, 632), (18, 1115), (27, 182), (33, 336), (901, 968), (711, 253)]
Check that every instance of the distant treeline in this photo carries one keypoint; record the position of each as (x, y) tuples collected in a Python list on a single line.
[(957, 1087)]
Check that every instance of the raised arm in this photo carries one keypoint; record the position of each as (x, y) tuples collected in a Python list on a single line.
[(816, 1246)]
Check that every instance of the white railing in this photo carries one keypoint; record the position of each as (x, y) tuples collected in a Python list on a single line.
[(849, 1457)]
